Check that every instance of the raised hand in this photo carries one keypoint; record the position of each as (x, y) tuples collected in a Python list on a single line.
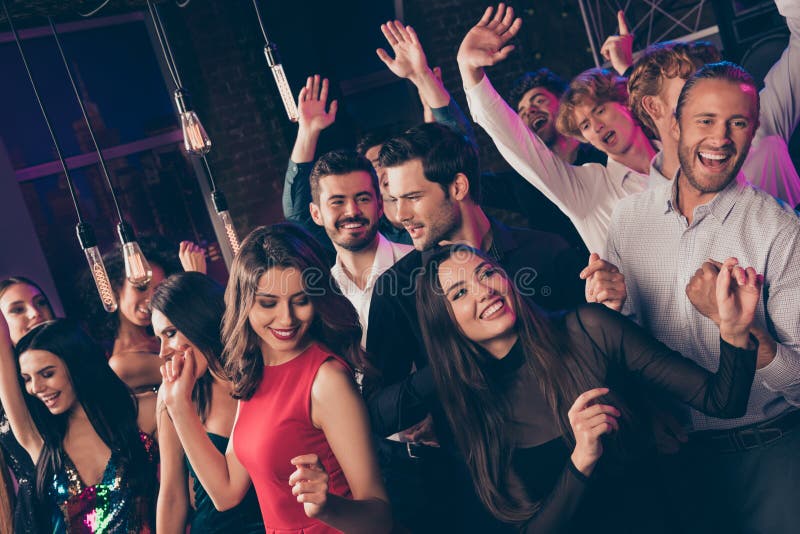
[(604, 283), (178, 378), (409, 57), (193, 257), (589, 421), (618, 49), (309, 483), (311, 105), (738, 291), (486, 43)]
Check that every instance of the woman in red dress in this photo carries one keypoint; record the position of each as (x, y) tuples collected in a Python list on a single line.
[(302, 433)]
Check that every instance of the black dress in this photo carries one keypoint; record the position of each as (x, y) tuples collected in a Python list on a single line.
[(621, 495), (24, 471)]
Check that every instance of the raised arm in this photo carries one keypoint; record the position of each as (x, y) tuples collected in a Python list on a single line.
[(410, 62), (12, 398), (574, 189), (780, 97), (337, 409), (313, 119), (222, 476), (172, 507)]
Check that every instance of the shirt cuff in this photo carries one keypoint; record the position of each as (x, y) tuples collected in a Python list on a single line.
[(782, 372), (483, 94), (576, 472)]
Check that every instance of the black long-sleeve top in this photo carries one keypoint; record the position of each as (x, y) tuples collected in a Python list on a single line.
[(616, 351)]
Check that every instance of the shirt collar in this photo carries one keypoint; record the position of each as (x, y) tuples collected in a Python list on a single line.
[(719, 207), (384, 259)]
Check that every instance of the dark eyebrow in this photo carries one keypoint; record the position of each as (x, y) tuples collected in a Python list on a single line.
[(451, 288), (404, 195), (461, 283), (270, 295), (43, 369)]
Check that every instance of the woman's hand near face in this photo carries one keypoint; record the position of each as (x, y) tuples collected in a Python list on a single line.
[(178, 375), (589, 422)]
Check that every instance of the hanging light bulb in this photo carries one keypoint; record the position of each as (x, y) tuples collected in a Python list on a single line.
[(137, 270), (221, 206), (274, 63), (195, 138), (88, 243)]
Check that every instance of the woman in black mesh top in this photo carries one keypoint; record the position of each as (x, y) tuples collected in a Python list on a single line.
[(532, 400)]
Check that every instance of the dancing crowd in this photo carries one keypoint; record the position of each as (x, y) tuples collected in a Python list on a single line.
[(393, 358)]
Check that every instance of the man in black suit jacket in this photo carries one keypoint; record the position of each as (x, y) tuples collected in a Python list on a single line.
[(433, 181)]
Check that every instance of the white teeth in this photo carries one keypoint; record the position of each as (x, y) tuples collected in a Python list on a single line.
[(718, 157), (353, 225), (491, 310)]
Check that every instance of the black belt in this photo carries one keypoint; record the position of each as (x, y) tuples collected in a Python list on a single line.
[(415, 451), (748, 437)]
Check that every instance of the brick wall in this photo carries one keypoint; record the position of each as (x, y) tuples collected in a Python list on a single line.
[(218, 48)]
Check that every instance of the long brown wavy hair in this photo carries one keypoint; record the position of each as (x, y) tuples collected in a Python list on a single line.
[(476, 406), (335, 322)]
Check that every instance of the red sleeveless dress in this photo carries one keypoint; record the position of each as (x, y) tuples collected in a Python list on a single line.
[(273, 427)]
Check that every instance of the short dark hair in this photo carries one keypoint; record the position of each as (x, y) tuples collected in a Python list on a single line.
[(543, 77), (443, 153), (593, 85), (724, 70), (336, 163), (376, 137), (661, 61)]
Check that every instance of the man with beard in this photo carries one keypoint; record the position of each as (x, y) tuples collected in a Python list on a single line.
[(432, 182), (660, 72), (535, 96), (346, 202), (738, 475)]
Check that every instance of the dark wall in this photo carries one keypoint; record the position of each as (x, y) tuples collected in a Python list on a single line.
[(218, 48)]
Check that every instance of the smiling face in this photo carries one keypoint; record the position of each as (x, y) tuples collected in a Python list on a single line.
[(174, 343), (134, 301), (46, 377), (479, 297), (426, 212), (349, 209), (281, 315), (24, 307), (608, 126), (538, 109), (717, 124)]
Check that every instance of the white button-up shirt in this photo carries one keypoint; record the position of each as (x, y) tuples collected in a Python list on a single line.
[(386, 255), (658, 252)]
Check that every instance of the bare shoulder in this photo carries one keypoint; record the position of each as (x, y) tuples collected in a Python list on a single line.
[(333, 377)]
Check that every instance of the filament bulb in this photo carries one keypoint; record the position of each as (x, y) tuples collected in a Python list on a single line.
[(195, 138), (274, 63), (137, 270), (230, 230), (286, 92), (98, 270)]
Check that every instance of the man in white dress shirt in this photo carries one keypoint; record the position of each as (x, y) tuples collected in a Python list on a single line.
[(346, 201)]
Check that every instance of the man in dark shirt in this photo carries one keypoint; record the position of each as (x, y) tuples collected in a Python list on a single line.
[(432, 183)]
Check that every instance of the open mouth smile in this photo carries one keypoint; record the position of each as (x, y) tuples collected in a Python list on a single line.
[(50, 400), (714, 160), (284, 335), (492, 309)]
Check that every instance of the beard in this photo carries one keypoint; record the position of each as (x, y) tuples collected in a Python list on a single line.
[(353, 243), (440, 228), (711, 182)]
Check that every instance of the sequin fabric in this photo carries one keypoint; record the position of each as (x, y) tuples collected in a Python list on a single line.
[(104, 508)]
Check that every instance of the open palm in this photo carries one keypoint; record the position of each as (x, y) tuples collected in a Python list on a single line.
[(312, 102), (409, 57), (486, 43)]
